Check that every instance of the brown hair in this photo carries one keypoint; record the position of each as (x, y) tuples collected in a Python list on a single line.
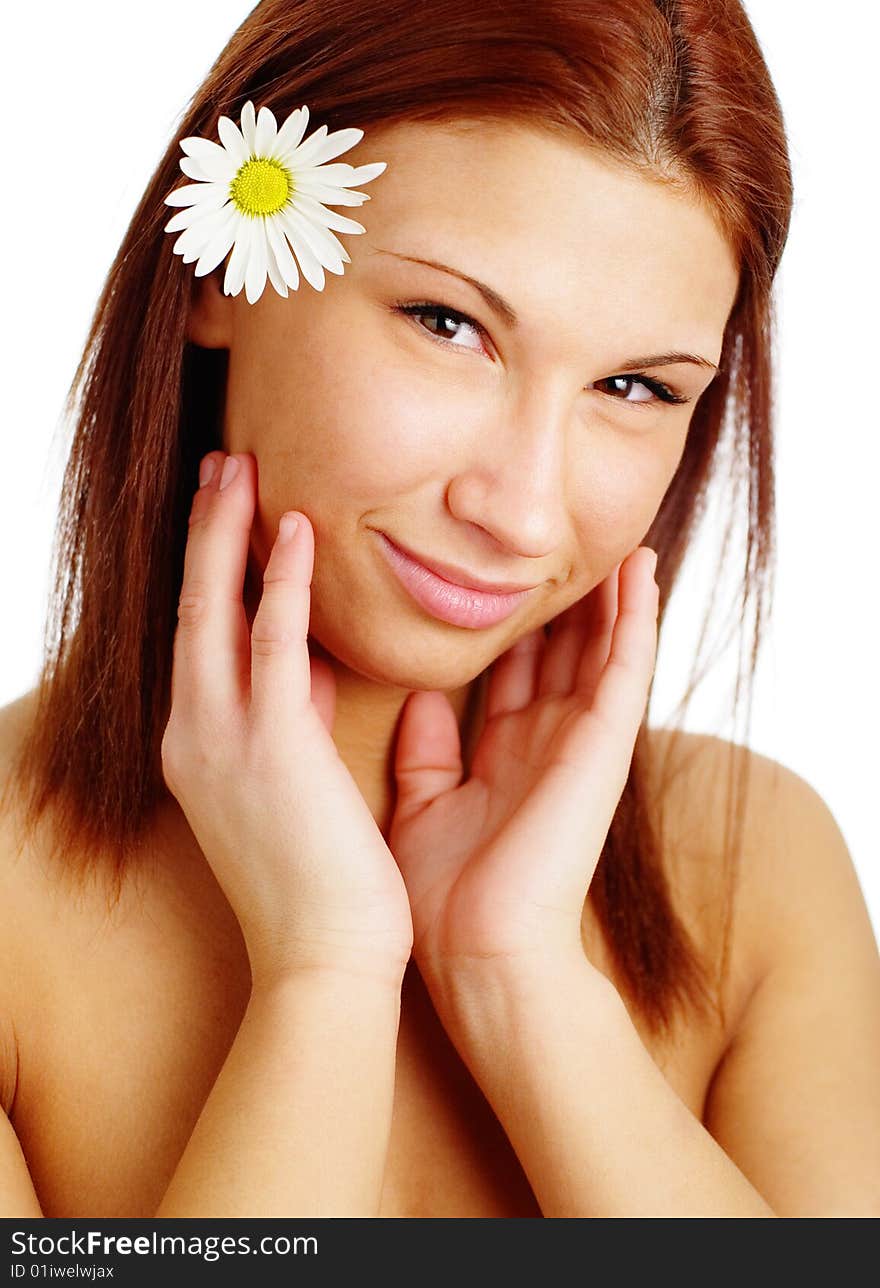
[(677, 89)]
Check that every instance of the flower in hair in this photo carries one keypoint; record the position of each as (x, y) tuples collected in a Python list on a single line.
[(262, 195)]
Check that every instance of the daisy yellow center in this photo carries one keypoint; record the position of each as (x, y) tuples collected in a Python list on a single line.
[(261, 187)]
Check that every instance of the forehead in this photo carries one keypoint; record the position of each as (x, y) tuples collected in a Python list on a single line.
[(553, 224)]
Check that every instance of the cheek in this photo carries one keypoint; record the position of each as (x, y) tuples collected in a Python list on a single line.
[(613, 499), (386, 431), (362, 450)]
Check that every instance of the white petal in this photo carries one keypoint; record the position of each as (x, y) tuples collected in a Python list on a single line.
[(328, 248), (334, 144), (291, 132), (214, 197), (177, 223), (310, 145), (184, 219), (203, 149), (327, 192), (364, 173), (222, 171), (220, 244), (188, 195), (237, 266), (193, 167), (215, 194), (315, 210), (255, 277), (346, 175), (312, 268), (329, 218), (274, 275), (339, 172), (185, 242), (267, 132), (283, 256), (232, 140), (193, 241), (249, 127)]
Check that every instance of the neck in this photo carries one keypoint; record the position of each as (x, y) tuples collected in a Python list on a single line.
[(366, 724), (367, 716)]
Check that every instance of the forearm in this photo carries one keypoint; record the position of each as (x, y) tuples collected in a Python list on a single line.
[(596, 1127), (298, 1120)]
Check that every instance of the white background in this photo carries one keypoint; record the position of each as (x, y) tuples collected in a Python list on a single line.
[(80, 142)]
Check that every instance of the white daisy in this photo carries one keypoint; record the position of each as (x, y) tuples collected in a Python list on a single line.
[(261, 196)]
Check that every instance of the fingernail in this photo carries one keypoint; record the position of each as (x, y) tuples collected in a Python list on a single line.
[(287, 527), (207, 470), (230, 469), (653, 562)]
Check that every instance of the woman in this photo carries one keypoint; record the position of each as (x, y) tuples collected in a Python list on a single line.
[(387, 899)]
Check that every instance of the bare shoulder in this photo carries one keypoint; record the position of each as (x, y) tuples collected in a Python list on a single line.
[(14, 720), (793, 1099), (16, 905), (753, 855), (721, 809), (791, 847)]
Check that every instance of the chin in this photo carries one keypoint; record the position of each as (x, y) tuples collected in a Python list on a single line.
[(446, 658)]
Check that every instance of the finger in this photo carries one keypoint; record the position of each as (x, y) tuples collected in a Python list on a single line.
[(210, 642), (324, 691), (513, 674), (583, 625), (622, 691), (281, 675), (596, 645), (427, 756)]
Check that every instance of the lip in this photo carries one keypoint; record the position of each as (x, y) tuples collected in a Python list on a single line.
[(450, 601)]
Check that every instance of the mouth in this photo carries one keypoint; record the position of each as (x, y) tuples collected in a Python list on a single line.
[(473, 605)]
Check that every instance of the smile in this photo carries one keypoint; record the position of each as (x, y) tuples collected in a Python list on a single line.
[(447, 600)]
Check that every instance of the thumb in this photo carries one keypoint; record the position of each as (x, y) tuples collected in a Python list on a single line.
[(427, 760), (323, 690)]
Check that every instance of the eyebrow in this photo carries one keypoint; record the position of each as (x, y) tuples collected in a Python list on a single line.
[(508, 314)]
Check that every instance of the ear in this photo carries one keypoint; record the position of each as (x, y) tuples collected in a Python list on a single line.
[(210, 317)]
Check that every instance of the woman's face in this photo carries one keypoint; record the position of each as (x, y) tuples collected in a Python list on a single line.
[(512, 448)]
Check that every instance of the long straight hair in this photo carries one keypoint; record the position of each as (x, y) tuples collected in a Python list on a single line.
[(676, 89)]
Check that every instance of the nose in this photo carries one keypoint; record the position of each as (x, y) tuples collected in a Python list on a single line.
[(513, 486)]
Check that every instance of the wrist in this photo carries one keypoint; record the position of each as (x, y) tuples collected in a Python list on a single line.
[(347, 975), (487, 1001)]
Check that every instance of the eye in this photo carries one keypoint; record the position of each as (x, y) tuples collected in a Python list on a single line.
[(443, 315), (440, 313), (656, 389)]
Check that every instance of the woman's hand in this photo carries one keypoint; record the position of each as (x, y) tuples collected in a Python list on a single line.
[(498, 867), (249, 755)]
